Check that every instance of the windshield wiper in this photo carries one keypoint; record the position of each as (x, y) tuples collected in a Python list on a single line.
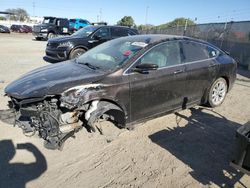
[(91, 66), (87, 64)]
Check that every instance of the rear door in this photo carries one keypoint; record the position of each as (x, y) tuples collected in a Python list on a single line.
[(159, 90), (201, 67)]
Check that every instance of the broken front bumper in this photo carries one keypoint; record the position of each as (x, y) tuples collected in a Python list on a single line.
[(241, 160)]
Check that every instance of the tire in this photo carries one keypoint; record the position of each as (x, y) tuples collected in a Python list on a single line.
[(76, 53), (217, 92), (38, 38), (51, 35)]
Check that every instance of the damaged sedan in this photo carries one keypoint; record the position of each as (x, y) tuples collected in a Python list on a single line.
[(124, 81)]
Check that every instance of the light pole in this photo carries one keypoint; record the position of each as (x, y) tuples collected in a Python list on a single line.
[(146, 16)]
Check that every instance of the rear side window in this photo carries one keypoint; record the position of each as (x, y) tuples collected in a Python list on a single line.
[(212, 52), (83, 22), (130, 32), (103, 32), (194, 51), (119, 32)]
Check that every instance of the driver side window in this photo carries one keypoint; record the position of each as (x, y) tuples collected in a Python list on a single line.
[(103, 32), (164, 55)]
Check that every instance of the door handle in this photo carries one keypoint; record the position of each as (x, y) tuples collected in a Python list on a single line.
[(212, 65), (178, 71)]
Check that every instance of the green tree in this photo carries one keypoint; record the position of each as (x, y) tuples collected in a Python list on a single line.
[(2, 18), (145, 27), (126, 21), (18, 14), (176, 22)]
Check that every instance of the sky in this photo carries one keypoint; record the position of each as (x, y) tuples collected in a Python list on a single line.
[(143, 11)]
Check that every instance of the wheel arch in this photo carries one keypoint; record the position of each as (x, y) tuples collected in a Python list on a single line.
[(227, 80), (77, 47), (51, 31), (111, 107)]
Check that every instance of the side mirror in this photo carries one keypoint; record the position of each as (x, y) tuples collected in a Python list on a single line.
[(144, 68), (97, 37)]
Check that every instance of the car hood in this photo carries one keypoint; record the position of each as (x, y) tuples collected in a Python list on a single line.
[(52, 80)]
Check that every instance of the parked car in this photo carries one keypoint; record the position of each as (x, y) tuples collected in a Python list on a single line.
[(51, 27), (125, 81), (70, 47), (28, 29), (4, 29), (17, 28), (78, 23)]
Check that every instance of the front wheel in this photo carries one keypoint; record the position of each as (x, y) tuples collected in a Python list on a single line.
[(76, 53), (51, 35), (217, 92)]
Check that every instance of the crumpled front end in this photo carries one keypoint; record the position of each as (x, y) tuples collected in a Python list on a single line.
[(53, 124), (58, 117)]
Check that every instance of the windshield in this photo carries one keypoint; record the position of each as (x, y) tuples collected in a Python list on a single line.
[(86, 31), (112, 54), (48, 20)]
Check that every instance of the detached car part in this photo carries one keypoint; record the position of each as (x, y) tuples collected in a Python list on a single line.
[(241, 160)]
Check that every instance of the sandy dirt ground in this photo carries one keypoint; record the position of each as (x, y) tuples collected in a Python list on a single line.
[(191, 148)]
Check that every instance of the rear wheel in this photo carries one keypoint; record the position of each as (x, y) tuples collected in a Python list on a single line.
[(76, 53), (217, 92)]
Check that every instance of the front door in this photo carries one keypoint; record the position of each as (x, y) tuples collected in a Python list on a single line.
[(159, 90)]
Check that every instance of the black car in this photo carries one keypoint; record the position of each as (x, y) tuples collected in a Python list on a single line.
[(126, 81), (51, 27), (4, 29), (70, 47)]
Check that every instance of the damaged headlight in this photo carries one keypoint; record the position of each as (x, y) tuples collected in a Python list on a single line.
[(65, 44), (69, 99)]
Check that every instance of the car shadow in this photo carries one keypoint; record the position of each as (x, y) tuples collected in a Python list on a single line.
[(205, 144), (41, 40), (16, 175), (50, 60)]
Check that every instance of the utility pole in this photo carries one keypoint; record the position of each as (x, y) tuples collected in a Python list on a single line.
[(146, 16), (100, 12), (185, 28), (34, 6)]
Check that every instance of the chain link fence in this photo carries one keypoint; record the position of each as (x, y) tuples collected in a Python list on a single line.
[(233, 37)]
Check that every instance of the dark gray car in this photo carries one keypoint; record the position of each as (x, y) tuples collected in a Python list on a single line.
[(126, 81)]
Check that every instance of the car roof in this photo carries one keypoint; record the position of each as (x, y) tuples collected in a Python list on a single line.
[(112, 26), (157, 38)]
